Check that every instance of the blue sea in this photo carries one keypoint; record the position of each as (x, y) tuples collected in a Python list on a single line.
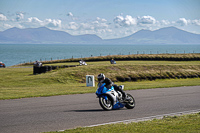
[(12, 54)]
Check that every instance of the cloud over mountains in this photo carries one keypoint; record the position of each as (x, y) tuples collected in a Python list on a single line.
[(119, 26), (43, 35), (129, 20)]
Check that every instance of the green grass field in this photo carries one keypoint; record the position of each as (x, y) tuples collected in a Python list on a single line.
[(171, 124), (21, 83)]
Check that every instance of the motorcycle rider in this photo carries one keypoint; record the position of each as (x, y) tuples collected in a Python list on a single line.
[(108, 84)]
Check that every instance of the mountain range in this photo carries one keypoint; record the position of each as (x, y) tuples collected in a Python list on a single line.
[(43, 35)]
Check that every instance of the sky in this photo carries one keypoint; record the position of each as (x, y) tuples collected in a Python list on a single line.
[(105, 18)]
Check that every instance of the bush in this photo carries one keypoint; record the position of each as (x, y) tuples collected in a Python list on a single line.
[(120, 78)]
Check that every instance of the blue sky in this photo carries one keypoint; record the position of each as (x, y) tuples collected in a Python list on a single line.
[(105, 18)]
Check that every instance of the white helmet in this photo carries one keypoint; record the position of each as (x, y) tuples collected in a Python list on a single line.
[(101, 77)]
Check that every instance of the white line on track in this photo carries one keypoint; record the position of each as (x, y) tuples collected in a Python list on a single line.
[(149, 118), (146, 118)]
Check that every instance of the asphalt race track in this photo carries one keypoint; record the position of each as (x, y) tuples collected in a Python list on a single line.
[(31, 115)]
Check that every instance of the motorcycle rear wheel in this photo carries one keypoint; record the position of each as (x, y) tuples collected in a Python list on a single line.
[(131, 103), (106, 104)]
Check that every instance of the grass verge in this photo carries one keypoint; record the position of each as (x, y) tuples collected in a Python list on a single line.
[(171, 124), (21, 83)]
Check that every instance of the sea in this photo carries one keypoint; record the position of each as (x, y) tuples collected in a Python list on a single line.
[(13, 54)]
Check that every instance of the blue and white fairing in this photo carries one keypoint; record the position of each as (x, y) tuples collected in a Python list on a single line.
[(102, 91)]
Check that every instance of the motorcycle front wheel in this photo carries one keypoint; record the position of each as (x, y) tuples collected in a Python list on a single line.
[(106, 104), (131, 103)]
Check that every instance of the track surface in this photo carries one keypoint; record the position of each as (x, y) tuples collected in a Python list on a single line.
[(31, 115)]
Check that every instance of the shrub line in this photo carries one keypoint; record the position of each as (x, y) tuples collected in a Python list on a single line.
[(165, 75), (145, 57)]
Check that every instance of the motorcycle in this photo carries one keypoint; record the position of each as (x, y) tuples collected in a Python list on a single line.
[(110, 99)]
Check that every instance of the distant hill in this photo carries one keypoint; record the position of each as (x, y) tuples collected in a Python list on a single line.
[(43, 35), (169, 35)]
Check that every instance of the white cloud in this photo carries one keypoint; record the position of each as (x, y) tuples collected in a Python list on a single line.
[(187, 22), (118, 19), (125, 21), (19, 16), (196, 22), (34, 20), (3, 18), (70, 14), (130, 21), (146, 20), (98, 27), (7, 26), (86, 26), (72, 26), (98, 24), (182, 21), (165, 22), (52, 23), (101, 19)]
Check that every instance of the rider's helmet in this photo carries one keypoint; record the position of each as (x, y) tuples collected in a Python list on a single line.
[(101, 77)]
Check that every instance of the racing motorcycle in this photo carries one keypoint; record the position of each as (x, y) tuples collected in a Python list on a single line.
[(110, 99)]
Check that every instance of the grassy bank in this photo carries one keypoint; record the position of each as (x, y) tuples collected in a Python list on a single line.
[(147, 57), (20, 82), (176, 124), (133, 70)]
